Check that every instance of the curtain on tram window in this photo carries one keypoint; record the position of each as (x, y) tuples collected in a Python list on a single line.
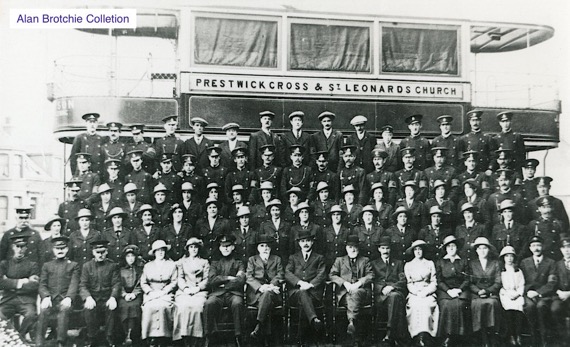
[(330, 48), (235, 42), (409, 50)]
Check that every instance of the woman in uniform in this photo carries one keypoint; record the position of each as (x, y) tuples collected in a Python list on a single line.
[(131, 295)]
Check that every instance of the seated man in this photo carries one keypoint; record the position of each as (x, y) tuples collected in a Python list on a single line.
[(305, 276), (561, 299), (352, 274), (390, 293), (59, 282), (19, 281), (264, 277), (226, 280), (99, 287)]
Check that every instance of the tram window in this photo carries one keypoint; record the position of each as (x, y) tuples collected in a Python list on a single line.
[(235, 42), (3, 207), (4, 165), (419, 50), (330, 48)]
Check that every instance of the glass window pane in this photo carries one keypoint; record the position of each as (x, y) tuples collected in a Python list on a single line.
[(235, 42), (34, 206), (330, 48), (427, 51), (3, 207), (4, 165)]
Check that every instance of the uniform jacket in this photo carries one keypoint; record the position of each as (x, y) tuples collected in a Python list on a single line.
[(145, 184), (131, 220), (468, 235), (423, 150), (402, 176), (170, 144), (334, 245), (541, 280), (341, 272), (148, 156), (321, 210), (400, 241), (113, 150), (332, 144), (562, 276), (256, 141), (296, 177), (451, 276), (208, 235), (191, 213), (558, 211), (177, 241), (392, 163), (260, 272), (85, 143), (447, 174), (34, 243), (68, 210), (59, 279), (550, 231), (262, 174), (389, 182), (481, 143), (450, 142), (368, 240), (218, 277), (356, 176), (226, 157), (363, 151), (13, 270), (117, 242), (517, 236), (90, 181), (282, 237), (488, 278), (100, 280), (288, 139), (512, 140), (245, 246), (312, 271), (80, 247), (330, 178)]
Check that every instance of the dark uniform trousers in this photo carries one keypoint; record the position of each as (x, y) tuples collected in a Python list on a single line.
[(561, 309), (59, 279), (101, 281), (345, 269), (21, 300), (541, 279), (393, 305), (312, 271), (225, 293), (260, 272)]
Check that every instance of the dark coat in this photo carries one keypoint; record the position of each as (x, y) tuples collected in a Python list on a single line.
[(312, 271), (59, 279), (198, 150), (451, 276), (541, 280), (488, 279), (100, 280), (11, 271), (218, 276), (388, 274), (341, 272), (332, 144), (259, 273)]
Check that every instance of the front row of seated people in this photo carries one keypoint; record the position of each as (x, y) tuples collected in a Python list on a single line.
[(183, 300)]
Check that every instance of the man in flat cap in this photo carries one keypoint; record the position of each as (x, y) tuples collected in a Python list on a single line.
[(88, 142), (19, 281), (296, 136), (363, 141), (170, 143), (448, 140), (477, 141), (411, 173), (558, 210), (328, 139), (59, 283), (392, 149), (142, 179), (267, 172), (198, 144), (113, 148), (261, 138), (22, 228), (352, 275), (322, 173), (547, 227), (296, 175), (169, 178), (138, 143), (508, 138), (99, 288), (89, 180), (229, 144), (416, 141), (381, 175)]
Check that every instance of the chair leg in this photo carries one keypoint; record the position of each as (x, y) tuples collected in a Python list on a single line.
[(288, 326), (333, 324)]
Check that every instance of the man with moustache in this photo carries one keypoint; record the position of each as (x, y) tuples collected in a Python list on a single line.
[(88, 142), (262, 138), (294, 137), (22, 228)]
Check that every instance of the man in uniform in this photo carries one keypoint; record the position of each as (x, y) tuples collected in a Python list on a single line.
[(558, 209), (296, 175), (416, 141), (239, 176), (23, 229), (231, 143), (508, 138), (477, 141), (114, 179), (352, 275), (190, 175), (547, 227), (226, 280), (88, 142), (392, 163), (138, 143), (295, 137), (528, 183), (169, 178), (214, 172), (59, 282), (170, 143), (305, 275), (69, 208), (19, 281), (328, 140), (443, 172), (561, 300), (114, 148), (90, 181), (267, 172), (198, 144), (99, 288), (505, 191), (411, 173), (261, 138), (352, 174), (448, 140), (363, 142), (141, 178), (471, 160), (322, 173), (380, 175), (390, 292), (539, 283)]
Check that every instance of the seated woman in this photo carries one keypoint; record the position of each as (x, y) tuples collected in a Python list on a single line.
[(131, 295), (452, 292), (191, 295), (512, 295), (485, 285), (421, 310), (158, 282)]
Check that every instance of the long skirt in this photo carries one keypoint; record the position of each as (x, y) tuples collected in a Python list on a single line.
[(422, 314), (485, 313), (157, 317), (453, 318), (188, 315), (130, 309)]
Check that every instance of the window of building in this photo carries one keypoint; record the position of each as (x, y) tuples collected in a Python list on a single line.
[(4, 165), (18, 166), (34, 206), (3, 207), (324, 47), (17, 201), (236, 42)]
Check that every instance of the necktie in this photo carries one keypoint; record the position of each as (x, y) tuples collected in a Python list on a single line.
[(306, 257), (537, 263)]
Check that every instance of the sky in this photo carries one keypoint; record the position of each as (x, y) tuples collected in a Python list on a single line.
[(27, 56)]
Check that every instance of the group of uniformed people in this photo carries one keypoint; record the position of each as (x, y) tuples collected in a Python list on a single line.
[(160, 237)]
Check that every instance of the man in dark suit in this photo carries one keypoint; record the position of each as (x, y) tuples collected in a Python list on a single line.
[(261, 138), (19, 281), (561, 300), (264, 277), (364, 143), (99, 288), (295, 137), (305, 276), (59, 282), (352, 275), (231, 143), (328, 140), (390, 292), (540, 281), (198, 144), (226, 280)]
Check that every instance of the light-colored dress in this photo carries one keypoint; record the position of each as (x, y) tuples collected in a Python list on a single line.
[(513, 282), (192, 272), (421, 309), (157, 311)]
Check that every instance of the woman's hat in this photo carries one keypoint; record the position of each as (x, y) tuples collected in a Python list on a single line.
[(348, 188), (369, 208), (131, 249), (243, 211), (84, 213), (435, 210), (173, 208), (267, 185), (507, 250), (116, 211), (322, 185), (158, 244), (400, 209), (376, 186), (417, 243), (104, 188), (212, 185), (302, 206), (467, 206), (506, 204), (212, 201), (194, 241), (438, 183), (274, 202), (451, 239), (336, 208), (62, 221), (146, 207), (481, 241), (187, 186), (159, 188), (130, 187), (295, 190)]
